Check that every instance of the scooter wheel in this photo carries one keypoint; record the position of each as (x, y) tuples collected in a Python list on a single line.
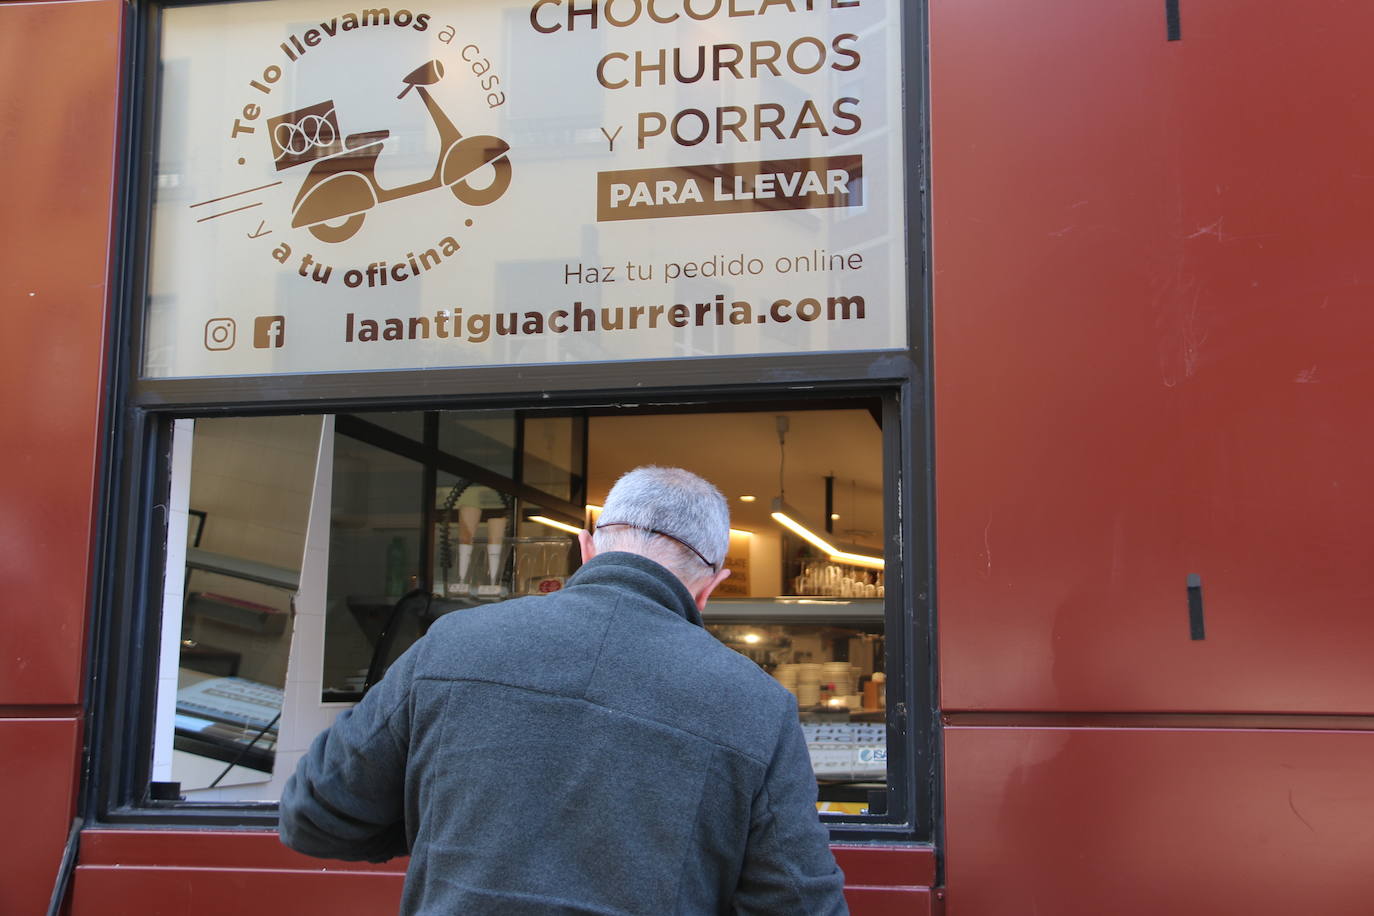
[(480, 197), (339, 232)]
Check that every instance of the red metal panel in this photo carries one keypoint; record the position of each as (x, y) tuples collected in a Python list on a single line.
[(58, 91), (209, 849), (176, 871), (891, 866), (231, 892), (223, 892), (889, 901), (1151, 287), (38, 758), (1141, 821)]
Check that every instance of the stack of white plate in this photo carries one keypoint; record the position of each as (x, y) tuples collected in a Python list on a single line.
[(809, 684), (787, 676), (840, 677)]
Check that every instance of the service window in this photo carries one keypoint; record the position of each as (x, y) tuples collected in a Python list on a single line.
[(407, 288), (304, 554)]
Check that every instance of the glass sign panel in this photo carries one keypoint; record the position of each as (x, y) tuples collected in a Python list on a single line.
[(498, 183)]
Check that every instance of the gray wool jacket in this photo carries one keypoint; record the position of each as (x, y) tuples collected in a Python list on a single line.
[(590, 751)]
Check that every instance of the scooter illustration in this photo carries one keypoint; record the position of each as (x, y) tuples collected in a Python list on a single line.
[(341, 186)]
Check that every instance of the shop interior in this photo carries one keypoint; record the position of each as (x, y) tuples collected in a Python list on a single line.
[(305, 554)]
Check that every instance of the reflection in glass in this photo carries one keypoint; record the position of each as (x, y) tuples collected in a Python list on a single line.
[(374, 555), (484, 438), (408, 423), (239, 505), (553, 453)]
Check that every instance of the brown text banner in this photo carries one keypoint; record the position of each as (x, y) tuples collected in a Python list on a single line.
[(730, 187)]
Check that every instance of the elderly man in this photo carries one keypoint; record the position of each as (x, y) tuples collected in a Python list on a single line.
[(592, 751)]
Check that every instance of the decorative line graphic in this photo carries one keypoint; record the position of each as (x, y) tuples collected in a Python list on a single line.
[(227, 212), (215, 200)]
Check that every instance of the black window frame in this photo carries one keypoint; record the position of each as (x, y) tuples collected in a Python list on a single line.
[(125, 611)]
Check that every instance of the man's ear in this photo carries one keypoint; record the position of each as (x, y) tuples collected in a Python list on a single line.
[(704, 592), (584, 540)]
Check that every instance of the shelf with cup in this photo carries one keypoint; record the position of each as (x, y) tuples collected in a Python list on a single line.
[(832, 579), (524, 565)]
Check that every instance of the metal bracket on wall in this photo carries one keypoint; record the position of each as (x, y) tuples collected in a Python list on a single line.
[(1195, 622)]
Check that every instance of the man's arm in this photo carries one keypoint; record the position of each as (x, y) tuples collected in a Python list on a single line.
[(788, 865), (346, 799)]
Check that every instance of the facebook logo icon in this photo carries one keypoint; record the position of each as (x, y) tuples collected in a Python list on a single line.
[(269, 331)]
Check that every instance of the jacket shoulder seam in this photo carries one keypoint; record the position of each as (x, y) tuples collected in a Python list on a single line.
[(582, 699)]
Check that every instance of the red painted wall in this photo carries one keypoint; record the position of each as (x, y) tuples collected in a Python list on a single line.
[(1152, 325), (58, 79), (1151, 291), (1141, 822), (58, 76)]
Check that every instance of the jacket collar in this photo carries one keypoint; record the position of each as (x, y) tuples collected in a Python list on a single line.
[(641, 575)]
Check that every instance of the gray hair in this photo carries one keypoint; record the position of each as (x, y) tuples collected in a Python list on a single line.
[(665, 514)]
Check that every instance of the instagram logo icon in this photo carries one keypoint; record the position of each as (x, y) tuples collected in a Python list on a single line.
[(219, 333)]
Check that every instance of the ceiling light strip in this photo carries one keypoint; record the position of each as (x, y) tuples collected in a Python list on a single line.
[(785, 515)]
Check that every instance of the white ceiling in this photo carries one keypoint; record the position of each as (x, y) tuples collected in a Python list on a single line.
[(738, 452)]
